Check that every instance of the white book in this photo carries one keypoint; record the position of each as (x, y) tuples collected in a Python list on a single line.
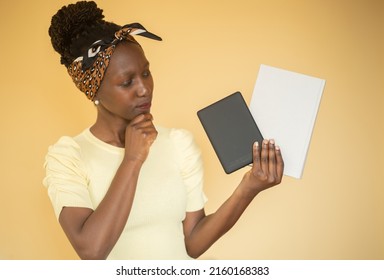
[(284, 105)]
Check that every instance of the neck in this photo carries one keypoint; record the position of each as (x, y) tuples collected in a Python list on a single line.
[(110, 131)]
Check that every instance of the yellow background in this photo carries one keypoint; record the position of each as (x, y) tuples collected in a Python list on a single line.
[(211, 49)]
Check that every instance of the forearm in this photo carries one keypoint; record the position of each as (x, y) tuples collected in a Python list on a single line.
[(96, 236), (212, 227), (267, 170)]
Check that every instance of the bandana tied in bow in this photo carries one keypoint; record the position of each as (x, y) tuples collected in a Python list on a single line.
[(87, 71)]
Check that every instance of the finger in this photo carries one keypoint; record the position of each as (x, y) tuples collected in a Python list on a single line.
[(264, 156), (138, 119), (279, 163), (148, 116), (256, 157), (145, 121), (272, 159), (147, 130), (143, 125), (141, 118)]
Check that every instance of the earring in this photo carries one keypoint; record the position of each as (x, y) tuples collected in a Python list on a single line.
[(96, 102)]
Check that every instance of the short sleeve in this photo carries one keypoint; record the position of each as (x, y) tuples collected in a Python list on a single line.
[(66, 179), (191, 168)]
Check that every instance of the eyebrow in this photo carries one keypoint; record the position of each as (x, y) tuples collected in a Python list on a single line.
[(146, 65), (126, 73)]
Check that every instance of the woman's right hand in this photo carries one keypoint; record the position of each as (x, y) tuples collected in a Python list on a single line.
[(139, 136), (93, 233)]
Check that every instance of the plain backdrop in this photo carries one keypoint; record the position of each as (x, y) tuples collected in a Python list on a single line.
[(212, 49)]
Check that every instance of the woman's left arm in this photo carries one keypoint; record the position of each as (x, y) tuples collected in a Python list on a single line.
[(202, 231)]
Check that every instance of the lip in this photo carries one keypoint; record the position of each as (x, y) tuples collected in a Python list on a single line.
[(144, 106)]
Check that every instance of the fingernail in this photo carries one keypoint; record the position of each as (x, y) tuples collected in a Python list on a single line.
[(272, 142), (277, 148)]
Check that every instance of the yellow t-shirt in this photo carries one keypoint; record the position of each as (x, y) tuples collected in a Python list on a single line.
[(79, 171)]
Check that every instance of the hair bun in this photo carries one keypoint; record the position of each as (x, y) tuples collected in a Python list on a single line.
[(69, 22)]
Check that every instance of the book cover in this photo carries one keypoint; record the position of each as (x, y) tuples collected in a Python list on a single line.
[(285, 104)]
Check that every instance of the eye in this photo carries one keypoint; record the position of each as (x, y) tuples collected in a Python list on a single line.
[(147, 73), (127, 83)]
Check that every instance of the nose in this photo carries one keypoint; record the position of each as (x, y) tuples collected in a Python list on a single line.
[(143, 88)]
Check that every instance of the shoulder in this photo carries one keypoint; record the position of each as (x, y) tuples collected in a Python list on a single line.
[(178, 137), (64, 143), (65, 151), (65, 146), (184, 146), (180, 134), (64, 160)]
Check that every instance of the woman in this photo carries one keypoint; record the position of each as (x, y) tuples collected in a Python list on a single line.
[(125, 188)]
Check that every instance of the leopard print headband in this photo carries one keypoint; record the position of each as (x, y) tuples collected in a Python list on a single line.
[(87, 71)]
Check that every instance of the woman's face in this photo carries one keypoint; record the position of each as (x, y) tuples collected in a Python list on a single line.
[(127, 86)]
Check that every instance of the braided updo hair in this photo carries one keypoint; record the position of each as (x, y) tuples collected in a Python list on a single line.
[(75, 27)]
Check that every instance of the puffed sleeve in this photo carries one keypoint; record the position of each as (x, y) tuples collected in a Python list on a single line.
[(66, 179), (191, 168)]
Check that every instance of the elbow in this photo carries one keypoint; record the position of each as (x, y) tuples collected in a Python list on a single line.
[(91, 247), (193, 254), (194, 251), (92, 254), (92, 251)]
